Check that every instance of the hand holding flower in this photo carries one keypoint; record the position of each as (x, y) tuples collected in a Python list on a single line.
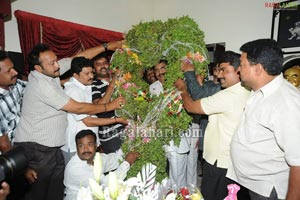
[(131, 157)]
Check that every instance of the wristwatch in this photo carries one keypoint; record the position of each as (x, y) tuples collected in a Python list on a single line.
[(105, 46)]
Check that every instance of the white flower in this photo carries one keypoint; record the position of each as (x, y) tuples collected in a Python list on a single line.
[(96, 189), (97, 167), (84, 194), (113, 185)]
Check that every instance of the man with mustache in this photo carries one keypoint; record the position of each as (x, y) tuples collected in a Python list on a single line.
[(80, 168), (159, 70), (102, 90), (43, 122), (79, 88), (224, 110), (11, 94)]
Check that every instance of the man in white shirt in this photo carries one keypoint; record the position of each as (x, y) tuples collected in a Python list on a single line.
[(224, 110), (79, 89), (80, 168), (265, 148)]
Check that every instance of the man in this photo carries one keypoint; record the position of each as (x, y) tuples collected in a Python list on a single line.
[(101, 66), (79, 89), (149, 75), (177, 155), (197, 90), (42, 126), (265, 148), (102, 90), (159, 71), (80, 167), (224, 110), (11, 94)]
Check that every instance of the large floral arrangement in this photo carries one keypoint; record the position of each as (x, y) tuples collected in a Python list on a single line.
[(155, 120)]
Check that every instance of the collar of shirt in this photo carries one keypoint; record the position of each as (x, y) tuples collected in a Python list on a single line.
[(3, 91), (36, 74), (78, 84), (272, 86)]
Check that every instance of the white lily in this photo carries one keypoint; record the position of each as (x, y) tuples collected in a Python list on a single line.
[(97, 167), (113, 185), (96, 189)]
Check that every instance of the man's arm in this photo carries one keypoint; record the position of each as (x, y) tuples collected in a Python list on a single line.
[(108, 92), (87, 108), (294, 184), (92, 52), (65, 63), (189, 104), (5, 144), (195, 89), (92, 121)]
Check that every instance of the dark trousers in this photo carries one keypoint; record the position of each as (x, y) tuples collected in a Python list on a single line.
[(49, 164), (255, 196), (214, 183)]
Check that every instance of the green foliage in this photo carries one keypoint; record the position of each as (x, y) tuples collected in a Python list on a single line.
[(146, 44)]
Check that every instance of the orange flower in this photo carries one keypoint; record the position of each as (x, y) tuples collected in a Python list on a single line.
[(189, 55), (127, 76)]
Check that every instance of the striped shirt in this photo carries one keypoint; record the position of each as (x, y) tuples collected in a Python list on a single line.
[(10, 108), (42, 120), (111, 132)]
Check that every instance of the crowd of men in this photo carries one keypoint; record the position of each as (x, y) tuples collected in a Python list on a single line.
[(251, 137)]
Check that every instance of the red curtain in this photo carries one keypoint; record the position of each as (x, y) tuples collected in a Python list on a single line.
[(64, 38)]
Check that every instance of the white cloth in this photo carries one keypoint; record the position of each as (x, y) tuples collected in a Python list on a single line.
[(267, 141), (156, 88), (224, 110), (78, 172), (80, 93), (192, 157)]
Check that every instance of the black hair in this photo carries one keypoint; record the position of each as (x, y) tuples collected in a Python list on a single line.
[(84, 133), (265, 52), (78, 63), (145, 74), (99, 56), (230, 57), (163, 61), (34, 55), (3, 55)]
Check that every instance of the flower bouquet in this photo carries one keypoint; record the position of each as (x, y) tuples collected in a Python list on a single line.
[(155, 120), (141, 187)]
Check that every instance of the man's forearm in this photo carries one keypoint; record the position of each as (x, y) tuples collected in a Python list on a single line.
[(294, 184)]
